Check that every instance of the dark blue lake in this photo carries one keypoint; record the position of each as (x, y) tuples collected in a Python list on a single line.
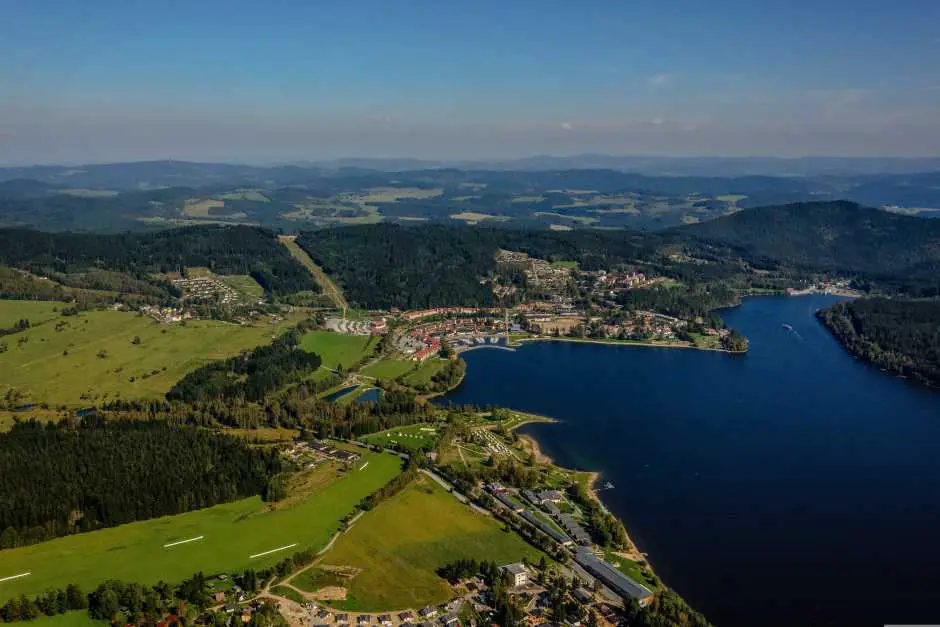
[(791, 486)]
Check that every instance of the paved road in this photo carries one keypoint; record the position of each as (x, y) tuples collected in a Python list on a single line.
[(440, 480)]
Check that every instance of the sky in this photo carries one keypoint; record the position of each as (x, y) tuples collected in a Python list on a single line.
[(290, 80)]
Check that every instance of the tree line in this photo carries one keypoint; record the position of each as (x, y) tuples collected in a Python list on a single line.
[(74, 476), (901, 336), (250, 375)]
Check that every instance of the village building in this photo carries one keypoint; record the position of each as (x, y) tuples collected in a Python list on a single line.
[(519, 574), (613, 578)]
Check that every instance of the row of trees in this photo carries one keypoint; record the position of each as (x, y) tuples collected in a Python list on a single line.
[(20, 325), (74, 476)]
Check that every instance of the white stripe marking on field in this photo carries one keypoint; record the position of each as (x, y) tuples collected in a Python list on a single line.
[(363, 467), (280, 548), (16, 576), (166, 546)]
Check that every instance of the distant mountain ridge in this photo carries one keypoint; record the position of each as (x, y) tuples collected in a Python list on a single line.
[(650, 165)]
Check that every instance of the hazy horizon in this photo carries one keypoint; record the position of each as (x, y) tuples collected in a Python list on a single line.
[(265, 83)]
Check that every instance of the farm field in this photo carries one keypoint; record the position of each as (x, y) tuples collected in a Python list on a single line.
[(36, 311), (336, 349), (472, 217), (399, 558), (200, 208), (92, 356), (232, 533), (392, 194), (413, 437), (388, 369)]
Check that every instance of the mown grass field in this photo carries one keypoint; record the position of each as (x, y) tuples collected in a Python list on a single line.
[(61, 366), (400, 544), (388, 369), (412, 437), (232, 533), (337, 349), (427, 370)]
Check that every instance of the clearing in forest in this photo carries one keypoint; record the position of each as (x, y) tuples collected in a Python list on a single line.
[(329, 288)]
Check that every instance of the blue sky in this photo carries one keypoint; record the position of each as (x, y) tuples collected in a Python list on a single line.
[(306, 79)]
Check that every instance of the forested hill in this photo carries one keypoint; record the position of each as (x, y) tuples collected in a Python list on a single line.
[(57, 479), (222, 249), (839, 237), (898, 335), (384, 265)]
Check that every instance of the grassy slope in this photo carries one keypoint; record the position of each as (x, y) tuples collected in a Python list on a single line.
[(233, 532), (39, 366), (337, 349), (35, 311), (326, 283), (399, 556)]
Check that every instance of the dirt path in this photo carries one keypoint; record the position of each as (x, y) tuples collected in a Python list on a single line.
[(330, 288), (293, 613)]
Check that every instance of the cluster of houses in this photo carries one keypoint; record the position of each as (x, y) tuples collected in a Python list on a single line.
[(165, 315), (616, 282), (323, 450), (538, 272), (207, 288), (418, 314), (427, 617)]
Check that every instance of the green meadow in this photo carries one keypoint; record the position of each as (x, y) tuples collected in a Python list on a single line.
[(231, 534), (388, 369), (337, 349), (399, 555), (36, 311), (414, 437), (423, 374), (94, 356)]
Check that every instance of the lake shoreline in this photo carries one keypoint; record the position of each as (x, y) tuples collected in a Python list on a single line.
[(632, 551), (705, 451), (609, 342)]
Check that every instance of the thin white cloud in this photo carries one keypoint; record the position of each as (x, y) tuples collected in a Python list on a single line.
[(568, 126), (661, 80)]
